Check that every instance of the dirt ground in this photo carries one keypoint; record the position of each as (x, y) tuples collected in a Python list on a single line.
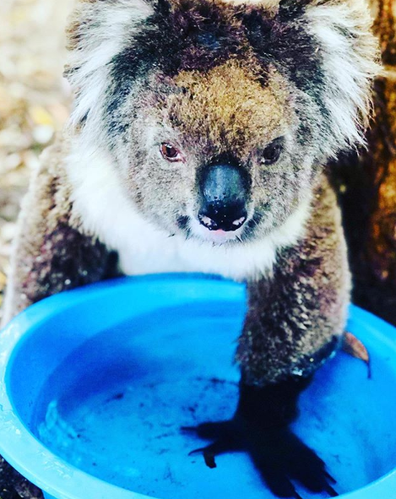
[(34, 99)]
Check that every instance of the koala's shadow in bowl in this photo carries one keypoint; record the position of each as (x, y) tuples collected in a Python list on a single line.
[(96, 384)]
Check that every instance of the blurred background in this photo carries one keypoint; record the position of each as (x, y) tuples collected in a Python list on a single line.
[(34, 99)]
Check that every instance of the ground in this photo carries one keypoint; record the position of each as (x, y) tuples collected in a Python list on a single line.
[(34, 99)]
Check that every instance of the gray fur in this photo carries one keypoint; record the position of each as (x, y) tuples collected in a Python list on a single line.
[(106, 188)]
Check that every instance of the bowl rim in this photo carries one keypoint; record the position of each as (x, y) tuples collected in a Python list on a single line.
[(57, 477)]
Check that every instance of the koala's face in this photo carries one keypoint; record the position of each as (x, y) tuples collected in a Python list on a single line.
[(219, 116), (216, 155)]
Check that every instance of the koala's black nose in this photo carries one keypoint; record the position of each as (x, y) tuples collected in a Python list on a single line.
[(224, 193)]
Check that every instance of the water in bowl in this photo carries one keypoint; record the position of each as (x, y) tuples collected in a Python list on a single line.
[(115, 407)]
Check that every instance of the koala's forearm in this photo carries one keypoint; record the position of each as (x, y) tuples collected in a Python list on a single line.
[(51, 253), (296, 318)]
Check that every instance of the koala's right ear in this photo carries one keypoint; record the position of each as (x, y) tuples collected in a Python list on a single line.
[(99, 14), (99, 30), (96, 21)]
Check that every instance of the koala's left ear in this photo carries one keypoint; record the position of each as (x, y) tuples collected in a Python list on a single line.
[(350, 60)]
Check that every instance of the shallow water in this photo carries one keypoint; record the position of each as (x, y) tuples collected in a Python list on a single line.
[(115, 406)]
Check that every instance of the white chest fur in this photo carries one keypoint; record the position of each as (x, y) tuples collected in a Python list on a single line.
[(143, 248)]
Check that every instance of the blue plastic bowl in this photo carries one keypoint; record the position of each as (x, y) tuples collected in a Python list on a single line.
[(96, 383)]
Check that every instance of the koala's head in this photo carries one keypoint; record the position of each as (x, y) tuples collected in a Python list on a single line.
[(219, 115)]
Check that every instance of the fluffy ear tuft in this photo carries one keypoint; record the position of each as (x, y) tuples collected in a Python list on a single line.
[(350, 56), (97, 32)]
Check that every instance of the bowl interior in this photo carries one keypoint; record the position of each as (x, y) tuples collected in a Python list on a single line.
[(107, 382)]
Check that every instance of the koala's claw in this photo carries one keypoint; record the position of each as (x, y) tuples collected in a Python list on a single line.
[(224, 440), (280, 457)]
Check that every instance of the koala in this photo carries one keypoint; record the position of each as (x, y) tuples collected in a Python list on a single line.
[(198, 142)]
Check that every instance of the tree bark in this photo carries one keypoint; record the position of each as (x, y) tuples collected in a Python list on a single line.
[(366, 183)]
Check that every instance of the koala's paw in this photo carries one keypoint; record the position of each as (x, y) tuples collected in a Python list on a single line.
[(280, 457)]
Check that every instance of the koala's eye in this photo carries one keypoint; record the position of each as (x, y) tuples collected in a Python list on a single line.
[(272, 152), (170, 153)]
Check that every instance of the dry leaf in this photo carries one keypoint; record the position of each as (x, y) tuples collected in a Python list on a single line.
[(353, 346)]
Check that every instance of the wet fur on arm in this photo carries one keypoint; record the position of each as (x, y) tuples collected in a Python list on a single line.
[(52, 252), (296, 318), (294, 322)]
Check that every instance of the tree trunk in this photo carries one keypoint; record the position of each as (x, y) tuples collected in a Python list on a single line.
[(367, 185)]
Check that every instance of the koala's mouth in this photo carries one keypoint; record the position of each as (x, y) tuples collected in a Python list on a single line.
[(221, 209), (217, 236), (193, 228)]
